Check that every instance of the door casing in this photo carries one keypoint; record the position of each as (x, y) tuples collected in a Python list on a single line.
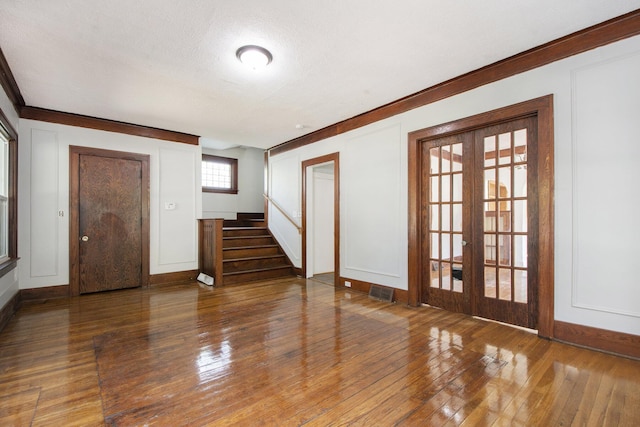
[(319, 221), (335, 158)]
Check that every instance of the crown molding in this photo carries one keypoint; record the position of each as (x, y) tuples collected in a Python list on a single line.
[(607, 32), (8, 83), (10, 86), (52, 116)]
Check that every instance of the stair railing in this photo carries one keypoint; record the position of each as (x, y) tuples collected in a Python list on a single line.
[(283, 212)]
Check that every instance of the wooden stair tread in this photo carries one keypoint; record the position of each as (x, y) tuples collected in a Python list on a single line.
[(253, 236), (242, 222), (249, 247), (257, 270), (252, 258), (243, 228)]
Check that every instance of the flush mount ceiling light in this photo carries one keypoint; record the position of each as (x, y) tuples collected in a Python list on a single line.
[(255, 57)]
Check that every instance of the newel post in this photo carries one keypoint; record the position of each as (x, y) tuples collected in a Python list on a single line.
[(210, 243)]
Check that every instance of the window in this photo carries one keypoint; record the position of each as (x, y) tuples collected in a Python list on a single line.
[(4, 198), (219, 174), (8, 196)]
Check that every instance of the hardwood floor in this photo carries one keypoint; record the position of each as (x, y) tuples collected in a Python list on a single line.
[(293, 352), (326, 278)]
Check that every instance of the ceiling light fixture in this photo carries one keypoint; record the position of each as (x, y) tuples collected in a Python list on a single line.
[(255, 57)]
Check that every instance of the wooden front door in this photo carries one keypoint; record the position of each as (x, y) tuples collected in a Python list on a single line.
[(109, 217), (479, 221)]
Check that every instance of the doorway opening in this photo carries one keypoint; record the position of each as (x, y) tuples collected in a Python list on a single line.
[(320, 218)]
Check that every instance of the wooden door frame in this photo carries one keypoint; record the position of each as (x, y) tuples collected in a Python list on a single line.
[(335, 158), (542, 108), (74, 210)]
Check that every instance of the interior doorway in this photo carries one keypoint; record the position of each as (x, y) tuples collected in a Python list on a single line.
[(109, 220), (320, 218), (481, 230)]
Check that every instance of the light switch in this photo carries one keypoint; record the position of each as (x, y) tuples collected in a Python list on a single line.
[(169, 206)]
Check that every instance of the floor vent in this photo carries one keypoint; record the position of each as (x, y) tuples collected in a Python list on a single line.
[(381, 293)]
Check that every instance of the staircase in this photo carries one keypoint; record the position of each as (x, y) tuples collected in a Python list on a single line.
[(240, 251), (250, 254)]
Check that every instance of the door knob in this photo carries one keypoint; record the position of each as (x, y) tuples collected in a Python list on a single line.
[(464, 243), (85, 238)]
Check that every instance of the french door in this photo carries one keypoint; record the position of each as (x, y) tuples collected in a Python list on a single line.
[(447, 216), (479, 222)]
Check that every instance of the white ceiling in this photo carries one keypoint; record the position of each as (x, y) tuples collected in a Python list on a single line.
[(171, 64)]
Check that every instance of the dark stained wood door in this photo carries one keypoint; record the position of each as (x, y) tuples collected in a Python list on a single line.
[(446, 208), (479, 218), (111, 235), (505, 223)]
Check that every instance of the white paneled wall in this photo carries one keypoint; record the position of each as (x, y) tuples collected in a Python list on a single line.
[(177, 209), (286, 169), (43, 205), (367, 180), (596, 203), (43, 199), (606, 208)]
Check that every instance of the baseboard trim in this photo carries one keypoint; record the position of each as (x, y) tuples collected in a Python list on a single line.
[(618, 343), (48, 292), (399, 295), (62, 291), (176, 276), (9, 309)]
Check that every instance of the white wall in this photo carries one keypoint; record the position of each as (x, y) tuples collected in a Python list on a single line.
[(43, 193), (285, 183), (320, 224), (9, 283), (596, 110), (250, 185)]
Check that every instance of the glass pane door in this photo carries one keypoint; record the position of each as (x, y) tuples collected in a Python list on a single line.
[(503, 205), (477, 240), (444, 182)]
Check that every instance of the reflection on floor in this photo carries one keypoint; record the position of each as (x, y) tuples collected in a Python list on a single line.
[(327, 278), (293, 352)]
